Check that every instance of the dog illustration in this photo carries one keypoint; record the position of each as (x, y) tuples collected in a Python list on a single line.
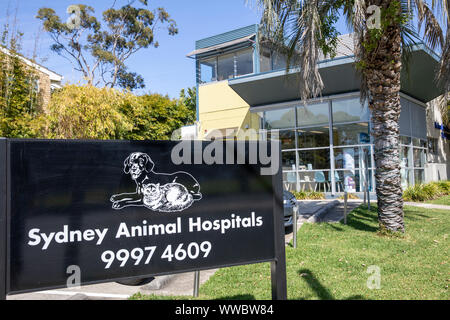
[(163, 192)]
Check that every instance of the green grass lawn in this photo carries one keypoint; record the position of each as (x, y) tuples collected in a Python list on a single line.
[(445, 200), (332, 260)]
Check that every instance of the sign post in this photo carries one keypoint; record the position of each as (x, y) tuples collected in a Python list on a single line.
[(3, 221), (131, 209), (278, 266), (295, 224), (196, 283)]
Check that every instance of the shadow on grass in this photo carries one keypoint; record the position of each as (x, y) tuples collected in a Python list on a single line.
[(321, 292), (360, 218), (238, 297)]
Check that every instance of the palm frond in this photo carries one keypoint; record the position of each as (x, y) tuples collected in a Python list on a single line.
[(298, 26)]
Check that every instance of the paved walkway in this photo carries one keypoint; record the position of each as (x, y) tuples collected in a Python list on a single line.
[(427, 205), (181, 284), (333, 215)]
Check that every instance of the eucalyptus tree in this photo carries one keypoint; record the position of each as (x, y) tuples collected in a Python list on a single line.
[(384, 31), (100, 48)]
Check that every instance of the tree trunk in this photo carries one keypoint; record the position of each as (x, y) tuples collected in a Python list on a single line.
[(382, 74)]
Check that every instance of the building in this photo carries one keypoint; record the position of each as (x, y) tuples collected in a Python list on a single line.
[(326, 144), (48, 80)]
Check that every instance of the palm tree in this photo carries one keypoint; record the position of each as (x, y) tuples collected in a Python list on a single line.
[(307, 29)]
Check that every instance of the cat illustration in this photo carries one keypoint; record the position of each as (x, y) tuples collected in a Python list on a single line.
[(171, 197)]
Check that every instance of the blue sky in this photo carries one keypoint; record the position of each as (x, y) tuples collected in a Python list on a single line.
[(166, 69)]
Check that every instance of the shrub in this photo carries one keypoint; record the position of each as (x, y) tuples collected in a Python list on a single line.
[(20, 101), (88, 112), (425, 192), (309, 195), (350, 196)]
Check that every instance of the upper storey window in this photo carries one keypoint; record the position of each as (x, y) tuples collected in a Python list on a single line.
[(271, 60), (226, 66)]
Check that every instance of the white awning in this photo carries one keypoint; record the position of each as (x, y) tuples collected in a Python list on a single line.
[(221, 46)]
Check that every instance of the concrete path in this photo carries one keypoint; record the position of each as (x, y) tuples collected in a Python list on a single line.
[(179, 285), (333, 215), (427, 205), (337, 214)]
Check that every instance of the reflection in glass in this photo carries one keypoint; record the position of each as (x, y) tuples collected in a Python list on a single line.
[(405, 140), (351, 180), (208, 70), (244, 62), (310, 115), (225, 67), (314, 159), (287, 138), (405, 176), (349, 110), (278, 119), (264, 60), (313, 137), (347, 158), (404, 157), (350, 134), (279, 61), (288, 160), (419, 158), (419, 176)]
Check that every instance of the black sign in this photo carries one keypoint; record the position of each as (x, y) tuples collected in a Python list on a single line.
[(114, 210)]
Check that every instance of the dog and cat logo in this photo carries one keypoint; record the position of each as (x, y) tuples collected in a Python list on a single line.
[(160, 192)]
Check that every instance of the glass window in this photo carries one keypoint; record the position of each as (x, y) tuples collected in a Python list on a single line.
[(416, 142), (264, 60), (433, 145), (278, 119), (313, 137), (279, 61), (314, 159), (315, 114), (349, 110), (208, 70), (419, 176), (287, 139), (419, 158), (225, 67), (423, 143), (405, 140), (244, 62), (405, 161), (357, 133), (288, 160), (351, 158), (405, 175), (351, 180)]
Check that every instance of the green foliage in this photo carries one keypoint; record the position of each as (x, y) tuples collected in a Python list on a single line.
[(20, 102), (189, 99), (425, 192), (156, 117), (308, 195), (87, 112), (351, 196), (99, 50), (390, 16)]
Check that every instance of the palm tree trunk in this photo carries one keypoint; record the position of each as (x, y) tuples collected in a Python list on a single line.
[(383, 83)]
